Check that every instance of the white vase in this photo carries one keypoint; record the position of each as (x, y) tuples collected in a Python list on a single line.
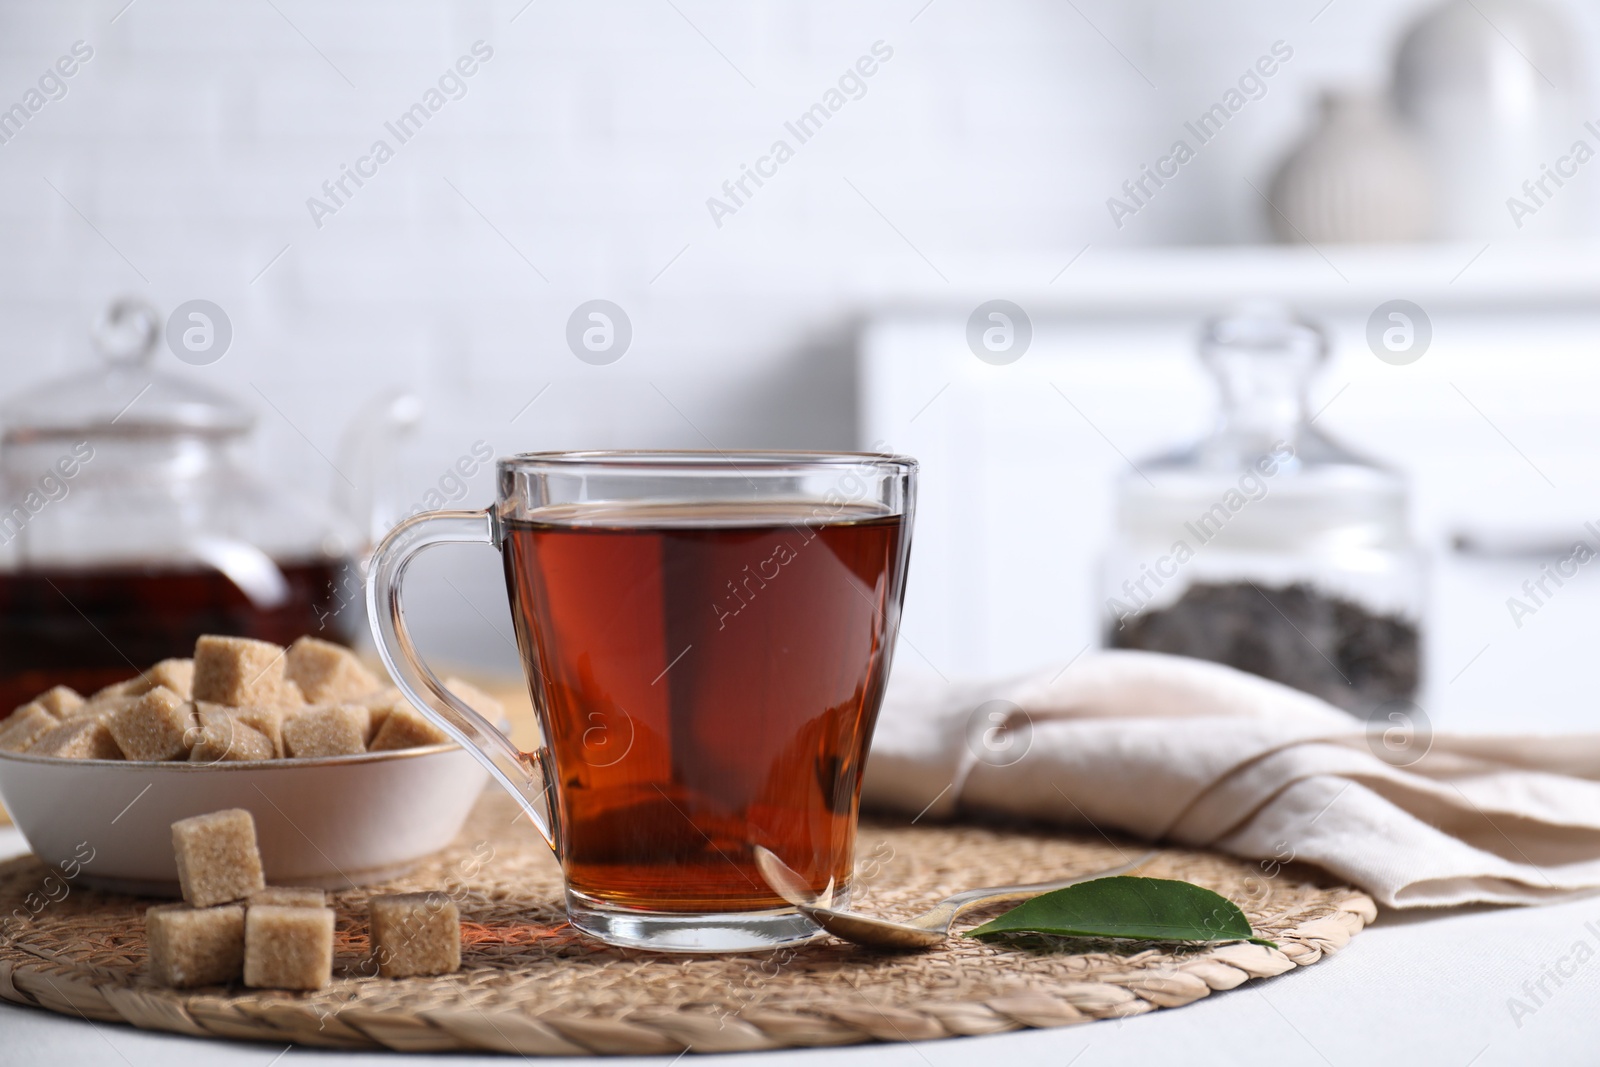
[(1493, 91), (1358, 176)]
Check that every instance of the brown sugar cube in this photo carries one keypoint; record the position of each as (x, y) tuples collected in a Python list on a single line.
[(378, 698), (327, 730), (101, 709), (224, 736), (195, 946), (379, 703), (58, 700), (328, 673), (415, 934), (377, 715), (406, 727), (156, 726), (267, 721), (289, 697), (126, 687), (103, 701), (288, 948), (78, 739), (25, 726), (103, 712), (476, 699), (287, 897), (239, 671), (218, 861), (175, 674)]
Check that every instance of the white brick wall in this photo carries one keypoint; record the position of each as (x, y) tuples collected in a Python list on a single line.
[(591, 141)]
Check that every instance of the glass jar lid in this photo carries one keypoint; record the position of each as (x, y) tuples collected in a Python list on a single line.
[(125, 395)]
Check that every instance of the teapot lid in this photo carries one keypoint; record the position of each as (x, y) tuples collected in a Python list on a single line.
[(124, 396)]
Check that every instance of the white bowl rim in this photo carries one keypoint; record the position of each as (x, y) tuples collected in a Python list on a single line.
[(286, 763)]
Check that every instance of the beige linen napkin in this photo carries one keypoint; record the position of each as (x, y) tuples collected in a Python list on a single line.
[(1202, 755)]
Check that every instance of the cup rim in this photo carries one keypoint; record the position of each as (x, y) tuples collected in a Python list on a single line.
[(707, 459)]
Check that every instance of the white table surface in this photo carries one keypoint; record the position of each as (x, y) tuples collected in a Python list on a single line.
[(1413, 989)]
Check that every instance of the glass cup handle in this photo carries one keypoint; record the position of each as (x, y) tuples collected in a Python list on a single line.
[(522, 775)]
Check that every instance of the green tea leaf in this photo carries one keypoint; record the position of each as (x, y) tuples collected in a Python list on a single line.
[(1145, 909)]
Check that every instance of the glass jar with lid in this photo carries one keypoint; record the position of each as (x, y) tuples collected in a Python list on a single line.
[(1269, 546), (130, 525)]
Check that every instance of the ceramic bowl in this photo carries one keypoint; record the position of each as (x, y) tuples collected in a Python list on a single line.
[(332, 822)]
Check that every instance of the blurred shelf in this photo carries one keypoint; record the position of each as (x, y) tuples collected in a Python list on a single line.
[(1182, 280)]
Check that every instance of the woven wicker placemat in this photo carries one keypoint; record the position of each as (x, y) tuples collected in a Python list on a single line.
[(530, 985)]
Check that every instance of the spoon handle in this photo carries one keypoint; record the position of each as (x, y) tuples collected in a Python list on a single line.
[(960, 902)]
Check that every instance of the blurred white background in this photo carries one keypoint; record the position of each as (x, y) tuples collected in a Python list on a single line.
[(578, 163)]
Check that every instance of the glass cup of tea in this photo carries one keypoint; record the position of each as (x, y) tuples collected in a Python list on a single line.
[(706, 638)]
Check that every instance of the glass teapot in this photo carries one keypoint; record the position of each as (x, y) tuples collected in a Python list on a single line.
[(129, 525)]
